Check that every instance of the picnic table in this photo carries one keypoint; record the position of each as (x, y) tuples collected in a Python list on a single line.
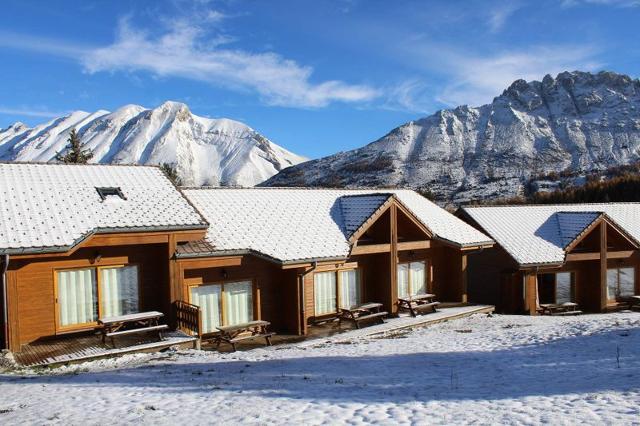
[(233, 334), (362, 313), (560, 309), (140, 322), (418, 304)]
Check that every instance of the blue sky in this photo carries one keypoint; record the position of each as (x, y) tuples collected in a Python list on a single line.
[(313, 76)]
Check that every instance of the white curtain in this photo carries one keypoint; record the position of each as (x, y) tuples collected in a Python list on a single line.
[(349, 288), (119, 291), (324, 289), (208, 298), (403, 280), (77, 297), (563, 287), (418, 278), (238, 302)]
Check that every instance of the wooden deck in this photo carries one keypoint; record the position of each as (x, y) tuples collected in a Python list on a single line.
[(67, 349), (392, 325)]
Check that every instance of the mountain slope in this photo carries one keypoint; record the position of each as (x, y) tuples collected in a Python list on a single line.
[(205, 151), (577, 121)]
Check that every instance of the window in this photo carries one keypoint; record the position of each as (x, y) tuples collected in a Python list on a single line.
[(564, 287), (84, 295), (620, 283), (77, 297), (109, 193), (324, 292), (556, 288), (349, 288), (335, 289), (412, 279), (119, 291), (208, 297), (223, 304)]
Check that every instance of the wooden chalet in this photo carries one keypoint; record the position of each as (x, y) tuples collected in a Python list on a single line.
[(584, 255), (293, 257), (83, 242)]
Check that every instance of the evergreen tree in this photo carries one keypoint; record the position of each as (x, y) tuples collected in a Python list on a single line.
[(171, 172), (76, 154)]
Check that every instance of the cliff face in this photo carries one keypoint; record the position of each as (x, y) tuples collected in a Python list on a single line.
[(205, 151), (577, 121)]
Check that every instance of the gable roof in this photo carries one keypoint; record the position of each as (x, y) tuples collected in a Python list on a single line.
[(541, 234), (53, 207), (292, 224)]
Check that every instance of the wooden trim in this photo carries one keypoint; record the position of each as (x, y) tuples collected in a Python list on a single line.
[(337, 267), (622, 254), (12, 310), (215, 262), (603, 266), (393, 259), (414, 245), (370, 249), (120, 238), (531, 292)]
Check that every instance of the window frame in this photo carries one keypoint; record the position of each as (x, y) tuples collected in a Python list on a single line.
[(337, 273), (572, 286), (617, 298), (98, 281), (427, 276), (257, 315)]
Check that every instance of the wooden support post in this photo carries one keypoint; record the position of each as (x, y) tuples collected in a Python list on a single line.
[(603, 266), (393, 255), (463, 278), (531, 292)]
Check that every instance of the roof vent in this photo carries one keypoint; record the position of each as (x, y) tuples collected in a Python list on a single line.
[(111, 193)]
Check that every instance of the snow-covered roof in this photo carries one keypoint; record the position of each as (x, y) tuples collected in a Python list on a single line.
[(292, 224), (52, 207), (540, 234)]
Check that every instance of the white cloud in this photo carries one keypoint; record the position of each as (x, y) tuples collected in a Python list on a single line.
[(499, 15), (618, 3), (187, 51), (30, 112), (475, 80), (409, 95), (183, 52)]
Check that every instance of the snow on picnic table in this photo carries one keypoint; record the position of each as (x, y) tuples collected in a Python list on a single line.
[(500, 369)]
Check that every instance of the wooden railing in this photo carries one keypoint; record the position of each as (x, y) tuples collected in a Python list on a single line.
[(188, 318)]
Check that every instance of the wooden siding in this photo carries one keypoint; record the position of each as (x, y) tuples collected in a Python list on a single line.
[(32, 293), (275, 288)]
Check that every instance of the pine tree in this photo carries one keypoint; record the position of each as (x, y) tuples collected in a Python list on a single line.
[(76, 154), (171, 172)]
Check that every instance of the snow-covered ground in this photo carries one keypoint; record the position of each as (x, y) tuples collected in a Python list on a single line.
[(501, 369)]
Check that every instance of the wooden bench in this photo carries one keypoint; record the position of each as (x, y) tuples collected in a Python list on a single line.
[(419, 304), (363, 313), (562, 309), (233, 334), (142, 322)]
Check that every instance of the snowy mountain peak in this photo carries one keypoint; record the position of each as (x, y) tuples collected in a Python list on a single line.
[(205, 151), (577, 121)]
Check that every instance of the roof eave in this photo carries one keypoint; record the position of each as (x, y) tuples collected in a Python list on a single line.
[(132, 230)]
